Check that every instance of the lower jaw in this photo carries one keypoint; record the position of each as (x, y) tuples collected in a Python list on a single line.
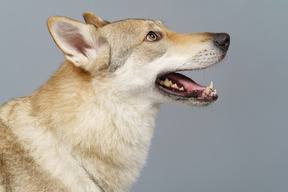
[(195, 96)]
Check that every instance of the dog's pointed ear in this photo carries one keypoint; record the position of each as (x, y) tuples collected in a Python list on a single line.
[(90, 18), (82, 44)]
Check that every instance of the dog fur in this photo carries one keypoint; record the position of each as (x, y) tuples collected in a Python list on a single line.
[(94, 117)]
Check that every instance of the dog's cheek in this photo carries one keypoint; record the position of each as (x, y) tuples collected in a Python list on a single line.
[(149, 52)]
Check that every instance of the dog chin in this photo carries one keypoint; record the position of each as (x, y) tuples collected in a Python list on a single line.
[(195, 103)]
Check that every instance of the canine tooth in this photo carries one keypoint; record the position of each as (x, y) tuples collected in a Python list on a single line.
[(211, 85), (207, 90), (215, 91), (174, 86), (181, 89)]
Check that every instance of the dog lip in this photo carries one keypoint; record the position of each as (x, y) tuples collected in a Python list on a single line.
[(175, 84)]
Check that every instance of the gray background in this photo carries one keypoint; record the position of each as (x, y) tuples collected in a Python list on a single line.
[(239, 144)]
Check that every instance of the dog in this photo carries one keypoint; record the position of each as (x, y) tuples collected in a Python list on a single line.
[(89, 127)]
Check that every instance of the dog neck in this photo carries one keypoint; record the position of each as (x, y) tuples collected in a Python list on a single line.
[(108, 135)]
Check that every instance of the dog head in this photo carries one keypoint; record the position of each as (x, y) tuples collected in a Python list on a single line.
[(138, 59)]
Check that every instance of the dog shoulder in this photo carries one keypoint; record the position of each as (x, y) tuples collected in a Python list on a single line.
[(17, 165)]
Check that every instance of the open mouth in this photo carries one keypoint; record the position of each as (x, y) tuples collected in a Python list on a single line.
[(182, 86)]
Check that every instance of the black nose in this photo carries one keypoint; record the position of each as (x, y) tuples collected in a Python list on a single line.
[(222, 40)]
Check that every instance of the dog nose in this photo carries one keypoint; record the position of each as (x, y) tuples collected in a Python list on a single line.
[(222, 40)]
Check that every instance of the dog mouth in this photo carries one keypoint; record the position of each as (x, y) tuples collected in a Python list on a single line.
[(179, 85)]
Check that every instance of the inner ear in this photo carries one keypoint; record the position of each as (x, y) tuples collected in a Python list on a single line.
[(71, 36)]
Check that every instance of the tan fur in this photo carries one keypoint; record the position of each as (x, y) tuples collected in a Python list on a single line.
[(97, 111), (90, 18)]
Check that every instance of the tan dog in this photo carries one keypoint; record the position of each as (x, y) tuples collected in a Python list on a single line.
[(89, 127)]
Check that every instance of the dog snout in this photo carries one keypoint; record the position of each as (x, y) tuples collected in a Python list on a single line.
[(222, 41)]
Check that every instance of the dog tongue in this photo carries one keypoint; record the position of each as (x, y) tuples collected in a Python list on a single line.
[(186, 82)]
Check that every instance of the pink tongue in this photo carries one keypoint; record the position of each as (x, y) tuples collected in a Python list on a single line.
[(186, 82)]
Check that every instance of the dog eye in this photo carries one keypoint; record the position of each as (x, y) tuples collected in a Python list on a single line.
[(152, 36)]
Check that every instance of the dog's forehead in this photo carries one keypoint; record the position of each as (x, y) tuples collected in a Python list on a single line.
[(142, 24)]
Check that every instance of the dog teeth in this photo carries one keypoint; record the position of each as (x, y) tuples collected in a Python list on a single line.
[(214, 92), (175, 86), (207, 90), (211, 85), (168, 83)]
